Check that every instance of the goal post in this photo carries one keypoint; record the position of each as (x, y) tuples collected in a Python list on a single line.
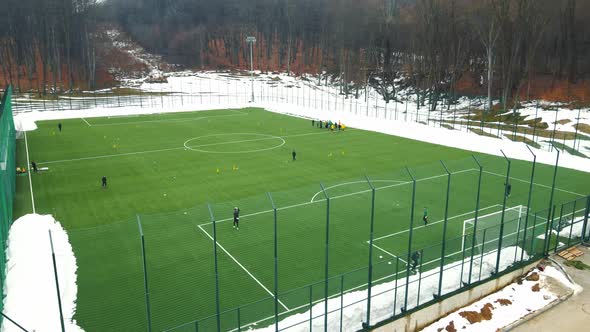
[(488, 229)]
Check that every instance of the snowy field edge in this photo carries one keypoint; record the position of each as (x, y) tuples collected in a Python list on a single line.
[(30, 296)]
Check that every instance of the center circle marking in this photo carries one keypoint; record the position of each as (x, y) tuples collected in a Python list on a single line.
[(261, 137)]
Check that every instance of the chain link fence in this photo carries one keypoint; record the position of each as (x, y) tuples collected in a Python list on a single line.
[(7, 178), (231, 91), (362, 243)]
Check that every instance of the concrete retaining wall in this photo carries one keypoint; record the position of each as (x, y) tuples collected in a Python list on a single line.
[(421, 318)]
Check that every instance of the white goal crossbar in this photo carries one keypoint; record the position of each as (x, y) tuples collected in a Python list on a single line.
[(491, 220)]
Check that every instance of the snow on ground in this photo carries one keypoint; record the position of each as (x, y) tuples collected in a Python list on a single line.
[(30, 292), (510, 304), (384, 295), (417, 131), (187, 91)]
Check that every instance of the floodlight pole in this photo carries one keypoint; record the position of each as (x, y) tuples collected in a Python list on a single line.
[(549, 219), (327, 269), (497, 270), (216, 269), (528, 204), (370, 277), (251, 40), (405, 307), (276, 254), (444, 239), (475, 219)]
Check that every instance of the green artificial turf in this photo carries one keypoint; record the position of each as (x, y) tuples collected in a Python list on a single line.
[(234, 158)]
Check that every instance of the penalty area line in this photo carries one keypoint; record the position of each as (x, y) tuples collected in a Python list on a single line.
[(434, 223), (88, 123), (242, 266), (387, 252)]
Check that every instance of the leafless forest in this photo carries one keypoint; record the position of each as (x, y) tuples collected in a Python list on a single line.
[(440, 48)]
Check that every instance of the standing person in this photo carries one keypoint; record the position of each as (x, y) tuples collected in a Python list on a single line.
[(237, 218), (415, 261), (294, 154), (313, 122), (34, 166), (425, 216), (508, 189), (104, 181), (59, 127)]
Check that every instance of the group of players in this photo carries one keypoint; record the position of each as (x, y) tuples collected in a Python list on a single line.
[(332, 126)]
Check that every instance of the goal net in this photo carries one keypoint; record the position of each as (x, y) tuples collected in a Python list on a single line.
[(487, 232)]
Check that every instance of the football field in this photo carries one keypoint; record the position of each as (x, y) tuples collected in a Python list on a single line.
[(169, 175)]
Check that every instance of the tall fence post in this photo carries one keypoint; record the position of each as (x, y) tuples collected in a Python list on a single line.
[(528, 204), (341, 300), (396, 274), (535, 124), (218, 318), (585, 238), (405, 307), (473, 238), (577, 126), (546, 245), (276, 264), (327, 255), (61, 316), (145, 275), (444, 238), (506, 183), (370, 276)]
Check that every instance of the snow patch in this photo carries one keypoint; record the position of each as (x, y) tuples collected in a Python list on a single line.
[(30, 293), (384, 295), (510, 304)]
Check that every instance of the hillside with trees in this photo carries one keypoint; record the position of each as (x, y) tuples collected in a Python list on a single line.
[(442, 48)]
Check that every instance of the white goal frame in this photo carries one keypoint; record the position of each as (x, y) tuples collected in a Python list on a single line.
[(521, 212)]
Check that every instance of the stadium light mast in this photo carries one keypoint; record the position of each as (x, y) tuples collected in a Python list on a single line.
[(251, 40)]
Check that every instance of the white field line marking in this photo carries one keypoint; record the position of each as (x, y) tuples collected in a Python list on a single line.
[(153, 151), (337, 295), (434, 223), (89, 125), (169, 120), (29, 163), (537, 184), (232, 142), (353, 182), (470, 220), (110, 155), (387, 252), (242, 266), (332, 198)]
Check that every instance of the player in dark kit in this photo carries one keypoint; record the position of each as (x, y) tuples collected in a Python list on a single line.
[(294, 154), (34, 166), (59, 127), (104, 181), (415, 261), (508, 189), (236, 218), (425, 216)]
